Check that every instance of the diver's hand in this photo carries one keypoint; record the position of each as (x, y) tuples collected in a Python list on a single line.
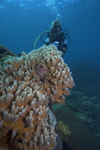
[(64, 50)]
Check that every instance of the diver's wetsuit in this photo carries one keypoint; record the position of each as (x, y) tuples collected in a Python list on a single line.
[(59, 40)]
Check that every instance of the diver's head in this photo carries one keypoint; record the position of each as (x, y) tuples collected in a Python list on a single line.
[(56, 26)]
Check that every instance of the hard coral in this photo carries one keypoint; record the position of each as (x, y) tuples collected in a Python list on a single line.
[(24, 97), (63, 128)]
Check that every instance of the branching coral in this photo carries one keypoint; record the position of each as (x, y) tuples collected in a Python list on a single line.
[(25, 93)]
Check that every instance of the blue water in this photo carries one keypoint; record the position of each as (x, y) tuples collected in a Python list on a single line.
[(22, 21)]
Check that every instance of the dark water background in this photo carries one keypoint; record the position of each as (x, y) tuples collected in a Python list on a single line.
[(21, 21)]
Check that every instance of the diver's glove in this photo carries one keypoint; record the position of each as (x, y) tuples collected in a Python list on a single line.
[(64, 50)]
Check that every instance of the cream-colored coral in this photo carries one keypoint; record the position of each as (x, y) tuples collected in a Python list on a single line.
[(25, 95)]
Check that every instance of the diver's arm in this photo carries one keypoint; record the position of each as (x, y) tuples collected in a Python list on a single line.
[(64, 46), (47, 40)]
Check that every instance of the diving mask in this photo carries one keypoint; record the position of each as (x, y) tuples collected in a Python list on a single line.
[(56, 29)]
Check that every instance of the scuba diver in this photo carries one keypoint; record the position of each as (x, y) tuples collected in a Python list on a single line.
[(56, 37)]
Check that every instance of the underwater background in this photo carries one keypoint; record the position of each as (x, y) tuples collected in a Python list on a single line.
[(22, 21)]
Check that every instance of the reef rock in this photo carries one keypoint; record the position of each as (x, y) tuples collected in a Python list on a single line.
[(5, 53)]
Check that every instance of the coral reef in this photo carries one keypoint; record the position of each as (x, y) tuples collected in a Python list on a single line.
[(85, 97), (81, 137), (28, 84), (86, 108), (5, 53), (63, 128)]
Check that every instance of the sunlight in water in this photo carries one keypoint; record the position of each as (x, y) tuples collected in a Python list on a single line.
[(52, 4)]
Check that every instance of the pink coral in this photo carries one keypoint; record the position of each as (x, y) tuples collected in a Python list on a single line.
[(41, 71)]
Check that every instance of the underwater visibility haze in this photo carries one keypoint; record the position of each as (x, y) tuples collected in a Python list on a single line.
[(22, 21)]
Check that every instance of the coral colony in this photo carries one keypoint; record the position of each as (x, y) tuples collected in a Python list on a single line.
[(27, 85)]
